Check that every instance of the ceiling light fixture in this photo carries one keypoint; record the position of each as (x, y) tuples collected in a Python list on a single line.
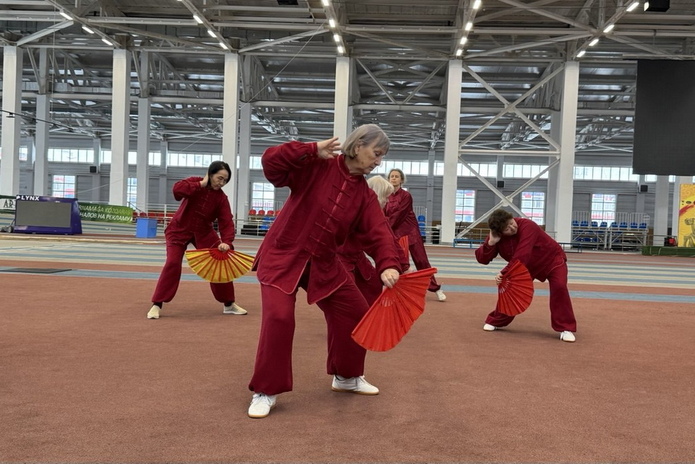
[(197, 19), (608, 28), (632, 6), (86, 29), (211, 33), (65, 15), (459, 52), (331, 23), (477, 4), (463, 41), (581, 53), (593, 42), (469, 26)]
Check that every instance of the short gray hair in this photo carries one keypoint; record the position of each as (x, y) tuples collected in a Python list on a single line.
[(367, 134), (382, 188)]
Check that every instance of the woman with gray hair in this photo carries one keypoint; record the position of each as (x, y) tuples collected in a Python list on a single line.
[(329, 201)]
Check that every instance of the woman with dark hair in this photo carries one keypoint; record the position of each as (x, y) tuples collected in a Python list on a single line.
[(399, 211), (329, 201), (520, 238), (202, 202)]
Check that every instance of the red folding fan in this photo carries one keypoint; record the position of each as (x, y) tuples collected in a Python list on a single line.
[(515, 292), (218, 266), (394, 312)]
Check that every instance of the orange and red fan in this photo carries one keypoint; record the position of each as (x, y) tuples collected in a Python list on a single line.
[(515, 291), (394, 312), (218, 266)]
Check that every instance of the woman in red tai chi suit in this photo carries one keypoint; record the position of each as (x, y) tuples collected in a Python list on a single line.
[(519, 238), (202, 202), (329, 200), (399, 211)]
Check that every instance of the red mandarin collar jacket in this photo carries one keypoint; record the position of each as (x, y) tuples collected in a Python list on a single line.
[(325, 206), (200, 207), (530, 245), (401, 216)]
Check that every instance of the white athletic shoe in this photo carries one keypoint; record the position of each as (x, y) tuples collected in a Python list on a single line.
[(234, 309), (261, 404), (153, 312), (567, 336), (440, 295), (353, 385), (489, 327)]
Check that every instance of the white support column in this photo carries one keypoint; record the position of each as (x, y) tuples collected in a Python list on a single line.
[(144, 111), (660, 210), (163, 176), (551, 189), (120, 126), (96, 177), (342, 116), (142, 172), (242, 204), (565, 170), (42, 128), (230, 124), (430, 187), (11, 124), (451, 151)]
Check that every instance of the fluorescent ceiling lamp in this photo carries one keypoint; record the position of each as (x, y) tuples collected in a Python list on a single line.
[(86, 29), (464, 39), (65, 15), (197, 19), (224, 45), (106, 41), (336, 37), (331, 23), (581, 53), (608, 28), (593, 42), (341, 50), (459, 52), (477, 4), (325, 2), (632, 6), (469, 25), (211, 33)]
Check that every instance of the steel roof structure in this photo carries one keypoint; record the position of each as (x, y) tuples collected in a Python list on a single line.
[(512, 53)]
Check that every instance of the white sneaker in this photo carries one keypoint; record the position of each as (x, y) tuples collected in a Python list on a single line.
[(353, 385), (489, 327), (440, 295), (153, 312), (567, 336), (261, 404), (234, 309)]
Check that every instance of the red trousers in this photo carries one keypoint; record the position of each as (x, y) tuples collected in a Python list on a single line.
[(561, 312), (343, 310), (168, 283), (419, 257)]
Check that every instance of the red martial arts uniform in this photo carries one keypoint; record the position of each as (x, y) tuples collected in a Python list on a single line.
[(352, 256), (326, 204), (192, 223), (399, 211), (361, 269), (544, 259)]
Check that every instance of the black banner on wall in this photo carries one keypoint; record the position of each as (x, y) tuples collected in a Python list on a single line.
[(664, 141)]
